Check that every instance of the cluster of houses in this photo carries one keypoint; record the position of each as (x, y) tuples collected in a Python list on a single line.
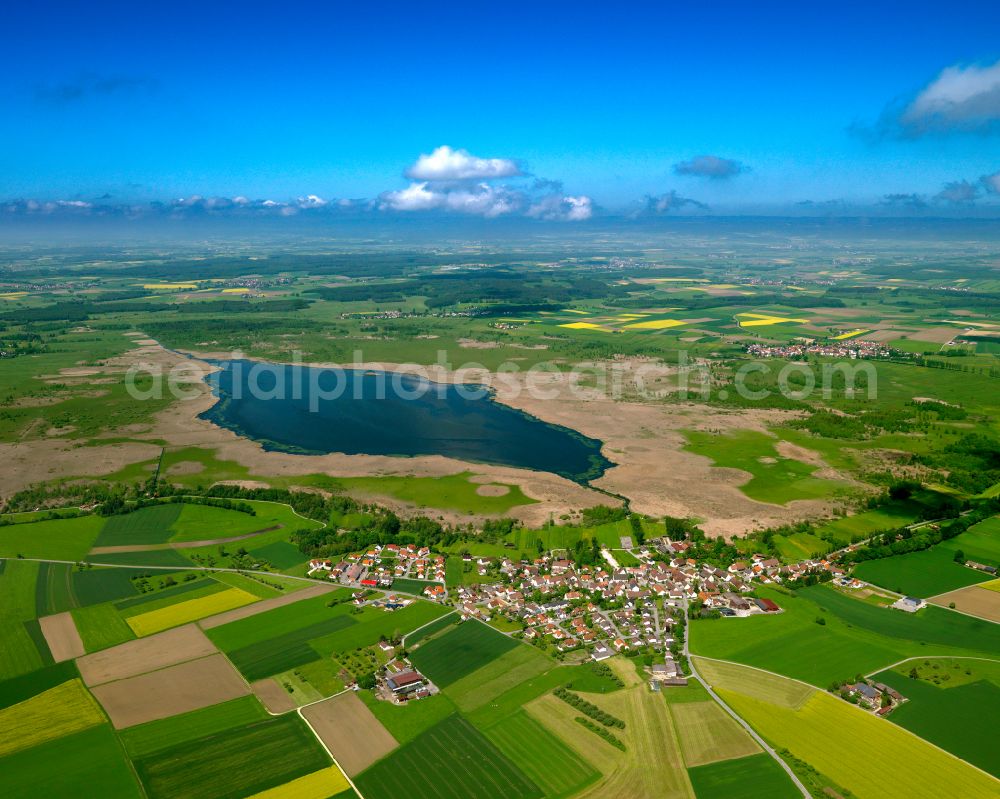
[(609, 608), (851, 349), (401, 683), (875, 696), (380, 565)]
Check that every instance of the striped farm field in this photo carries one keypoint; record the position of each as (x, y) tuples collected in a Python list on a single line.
[(100, 627), (834, 736), (234, 763), (190, 610), (18, 653), (59, 711), (488, 682), (708, 734), (551, 764), (451, 760), (154, 736), (753, 777), (460, 651), (318, 785)]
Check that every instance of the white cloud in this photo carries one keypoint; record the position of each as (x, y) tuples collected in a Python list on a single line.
[(311, 201), (562, 207), (991, 182), (481, 199), (446, 164), (962, 98)]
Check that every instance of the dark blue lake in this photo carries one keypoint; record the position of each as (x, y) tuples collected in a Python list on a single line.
[(312, 410)]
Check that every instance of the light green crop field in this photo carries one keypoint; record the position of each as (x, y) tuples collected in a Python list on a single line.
[(773, 478), (101, 626), (92, 758), (154, 736), (753, 777), (452, 492), (548, 762), (55, 539), (18, 652), (857, 637)]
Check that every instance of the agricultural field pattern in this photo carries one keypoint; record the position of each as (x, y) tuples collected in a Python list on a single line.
[(735, 597)]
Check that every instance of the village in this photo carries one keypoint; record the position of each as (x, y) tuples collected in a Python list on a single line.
[(578, 612)]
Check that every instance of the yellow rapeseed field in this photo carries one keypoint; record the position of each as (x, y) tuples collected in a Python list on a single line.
[(62, 710), (761, 320), (851, 334), (169, 286), (318, 785), (839, 739), (236, 291), (193, 609), (655, 324), (581, 326)]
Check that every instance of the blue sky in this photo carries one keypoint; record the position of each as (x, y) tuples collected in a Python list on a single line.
[(812, 101)]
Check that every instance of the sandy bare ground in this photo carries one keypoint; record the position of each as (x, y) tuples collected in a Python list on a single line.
[(145, 654), (275, 698), (654, 471), (264, 605), (167, 692), (350, 731), (973, 600), (62, 637), (492, 491), (935, 335)]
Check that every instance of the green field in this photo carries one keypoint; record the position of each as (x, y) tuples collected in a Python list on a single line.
[(753, 777), (922, 574), (282, 652), (55, 539), (280, 554), (773, 478), (373, 623), (242, 633), (853, 527), (92, 758), (154, 736), (19, 689), (460, 651), (234, 763), (441, 624), (451, 760), (856, 637), (101, 626), (19, 652), (800, 546), (406, 722), (547, 761), (452, 492), (150, 525), (506, 671), (958, 714)]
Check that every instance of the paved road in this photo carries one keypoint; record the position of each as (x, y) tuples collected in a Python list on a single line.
[(763, 744)]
